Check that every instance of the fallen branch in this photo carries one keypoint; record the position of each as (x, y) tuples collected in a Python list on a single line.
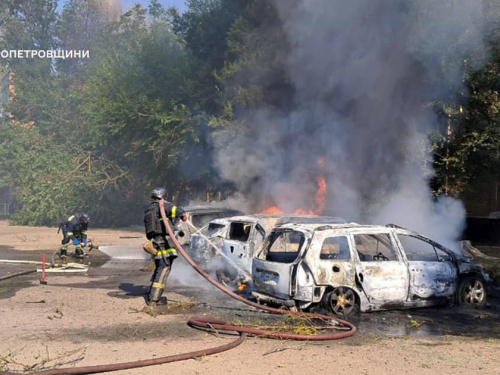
[(475, 252)]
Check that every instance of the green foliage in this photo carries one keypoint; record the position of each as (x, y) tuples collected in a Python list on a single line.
[(470, 152), (255, 61), (204, 28), (27, 24), (96, 134), (136, 91), (79, 28), (37, 174), (50, 182)]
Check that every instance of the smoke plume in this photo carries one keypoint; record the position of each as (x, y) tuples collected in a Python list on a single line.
[(363, 73)]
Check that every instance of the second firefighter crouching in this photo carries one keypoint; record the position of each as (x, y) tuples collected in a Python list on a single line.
[(160, 245), (74, 229)]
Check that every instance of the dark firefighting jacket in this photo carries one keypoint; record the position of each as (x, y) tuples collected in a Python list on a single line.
[(75, 229), (158, 231)]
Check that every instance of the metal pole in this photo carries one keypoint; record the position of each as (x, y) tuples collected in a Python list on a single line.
[(43, 281)]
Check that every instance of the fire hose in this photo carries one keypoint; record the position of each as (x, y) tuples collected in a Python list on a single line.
[(17, 274), (213, 324), (208, 323)]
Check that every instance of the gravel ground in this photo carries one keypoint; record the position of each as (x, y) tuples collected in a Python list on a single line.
[(98, 318)]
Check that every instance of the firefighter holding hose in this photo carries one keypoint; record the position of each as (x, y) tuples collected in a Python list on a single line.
[(160, 245), (74, 228)]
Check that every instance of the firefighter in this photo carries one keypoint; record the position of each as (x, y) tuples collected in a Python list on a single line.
[(162, 248), (74, 229)]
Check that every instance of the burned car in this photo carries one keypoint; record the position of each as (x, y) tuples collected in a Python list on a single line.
[(351, 267), (205, 243), (198, 216), (228, 244)]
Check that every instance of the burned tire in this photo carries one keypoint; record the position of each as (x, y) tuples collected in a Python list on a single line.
[(342, 301), (471, 292)]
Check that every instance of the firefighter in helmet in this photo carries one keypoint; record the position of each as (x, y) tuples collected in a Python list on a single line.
[(162, 247), (74, 229)]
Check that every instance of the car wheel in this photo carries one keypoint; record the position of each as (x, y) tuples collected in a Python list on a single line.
[(342, 301), (471, 292)]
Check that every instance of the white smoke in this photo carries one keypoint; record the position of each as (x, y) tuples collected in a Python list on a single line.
[(364, 72)]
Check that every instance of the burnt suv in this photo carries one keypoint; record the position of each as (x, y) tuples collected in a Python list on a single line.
[(350, 267)]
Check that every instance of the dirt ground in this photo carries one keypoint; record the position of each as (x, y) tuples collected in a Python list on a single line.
[(97, 317)]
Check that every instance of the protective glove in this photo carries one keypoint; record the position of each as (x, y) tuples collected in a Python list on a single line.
[(84, 242), (76, 242)]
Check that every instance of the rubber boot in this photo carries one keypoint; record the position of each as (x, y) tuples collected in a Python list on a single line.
[(155, 293), (161, 302), (63, 254), (79, 252)]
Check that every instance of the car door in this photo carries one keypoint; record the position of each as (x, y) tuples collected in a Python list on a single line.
[(432, 273), (380, 269), (236, 246), (275, 266)]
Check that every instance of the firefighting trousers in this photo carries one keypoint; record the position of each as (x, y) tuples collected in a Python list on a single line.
[(66, 241), (159, 278)]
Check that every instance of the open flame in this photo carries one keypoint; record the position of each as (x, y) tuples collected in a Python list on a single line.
[(242, 287), (273, 210), (319, 199)]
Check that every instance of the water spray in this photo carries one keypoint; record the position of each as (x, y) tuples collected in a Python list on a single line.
[(220, 252)]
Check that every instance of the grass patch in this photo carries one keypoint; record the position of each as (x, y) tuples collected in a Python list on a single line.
[(170, 307), (296, 324)]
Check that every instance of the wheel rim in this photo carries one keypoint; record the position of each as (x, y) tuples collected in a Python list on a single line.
[(342, 301), (473, 293)]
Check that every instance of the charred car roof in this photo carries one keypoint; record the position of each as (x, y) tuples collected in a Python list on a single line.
[(210, 209), (284, 219)]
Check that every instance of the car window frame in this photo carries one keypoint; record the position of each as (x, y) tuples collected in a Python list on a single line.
[(263, 252), (393, 243), (347, 242), (436, 249)]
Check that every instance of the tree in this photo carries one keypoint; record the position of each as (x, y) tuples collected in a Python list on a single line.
[(137, 88), (471, 151), (81, 24), (204, 27)]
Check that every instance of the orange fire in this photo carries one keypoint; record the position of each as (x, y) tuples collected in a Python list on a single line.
[(242, 287), (273, 210), (300, 211), (320, 196), (319, 200)]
